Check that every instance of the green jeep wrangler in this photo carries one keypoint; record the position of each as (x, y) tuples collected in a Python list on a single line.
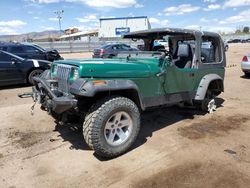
[(108, 95)]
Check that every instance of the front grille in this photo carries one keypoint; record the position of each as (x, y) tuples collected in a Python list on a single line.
[(63, 75)]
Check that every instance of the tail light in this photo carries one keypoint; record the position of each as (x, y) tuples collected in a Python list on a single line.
[(245, 59), (102, 51)]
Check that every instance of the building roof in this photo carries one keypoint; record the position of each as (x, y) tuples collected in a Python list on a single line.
[(82, 33), (125, 18)]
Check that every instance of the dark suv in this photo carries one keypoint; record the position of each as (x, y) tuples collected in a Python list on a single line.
[(30, 51)]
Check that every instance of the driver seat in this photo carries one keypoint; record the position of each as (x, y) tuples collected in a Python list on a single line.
[(184, 56)]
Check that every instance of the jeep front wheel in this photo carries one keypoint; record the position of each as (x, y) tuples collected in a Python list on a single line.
[(112, 126)]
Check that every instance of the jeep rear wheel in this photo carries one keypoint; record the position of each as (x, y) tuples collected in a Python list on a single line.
[(112, 126), (208, 104)]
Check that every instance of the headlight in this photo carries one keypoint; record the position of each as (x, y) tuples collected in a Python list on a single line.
[(75, 74), (55, 69)]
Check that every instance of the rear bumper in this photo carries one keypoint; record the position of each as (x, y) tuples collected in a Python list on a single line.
[(51, 99), (245, 66), (96, 56)]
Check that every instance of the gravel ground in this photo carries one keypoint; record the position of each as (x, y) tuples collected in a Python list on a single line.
[(177, 147)]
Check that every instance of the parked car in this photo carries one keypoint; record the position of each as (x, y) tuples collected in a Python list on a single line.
[(30, 51), (235, 41), (245, 40), (111, 50), (245, 65), (109, 95), (226, 46), (17, 70)]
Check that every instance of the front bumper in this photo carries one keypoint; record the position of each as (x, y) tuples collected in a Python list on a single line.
[(51, 99)]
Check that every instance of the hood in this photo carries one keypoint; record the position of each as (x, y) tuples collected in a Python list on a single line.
[(115, 68), (51, 51)]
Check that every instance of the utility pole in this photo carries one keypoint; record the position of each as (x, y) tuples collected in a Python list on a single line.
[(59, 17)]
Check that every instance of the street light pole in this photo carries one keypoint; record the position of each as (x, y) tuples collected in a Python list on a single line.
[(59, 17)]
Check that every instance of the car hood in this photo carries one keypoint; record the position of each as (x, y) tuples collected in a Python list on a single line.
[(114, 68)]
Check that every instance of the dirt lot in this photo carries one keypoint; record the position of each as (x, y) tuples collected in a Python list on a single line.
[(176, 147)]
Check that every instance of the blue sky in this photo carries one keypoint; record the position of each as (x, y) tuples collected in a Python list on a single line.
[(21, 16)]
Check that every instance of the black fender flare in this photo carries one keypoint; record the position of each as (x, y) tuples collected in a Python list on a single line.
[(89, 88)]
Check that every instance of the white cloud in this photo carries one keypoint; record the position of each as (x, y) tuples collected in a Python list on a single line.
[(212, 7), (88, 18), (209, 20), (180, 10), (96, 3), (139, 5), (10, 27), (211, 28), (243, 16), (47, 28), (158, 22), (53, 19), (220, 29), (44, 1), (154, 20), (12, 23), (197, 27), (7, 31), (110, 3), (164, 22), (236, 3), (209, 1)]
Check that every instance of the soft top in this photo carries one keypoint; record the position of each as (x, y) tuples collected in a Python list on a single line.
[(159, 32)]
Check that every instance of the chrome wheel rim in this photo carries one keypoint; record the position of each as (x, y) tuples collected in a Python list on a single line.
[(118, 128), (211, 106)]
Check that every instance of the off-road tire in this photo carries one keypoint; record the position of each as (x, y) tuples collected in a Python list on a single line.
[(204, 104), (35, 72), (247, 74), (95, 120)]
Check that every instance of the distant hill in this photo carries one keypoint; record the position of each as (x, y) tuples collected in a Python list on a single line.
[(32, 36)]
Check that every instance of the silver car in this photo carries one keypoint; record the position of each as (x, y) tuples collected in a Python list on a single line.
[(245, 65)]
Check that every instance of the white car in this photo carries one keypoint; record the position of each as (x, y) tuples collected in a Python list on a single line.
[(245, 65)]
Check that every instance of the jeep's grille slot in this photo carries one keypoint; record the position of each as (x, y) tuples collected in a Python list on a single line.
[(63, 75)]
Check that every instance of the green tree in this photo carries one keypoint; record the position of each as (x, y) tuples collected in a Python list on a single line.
[(246, 30)]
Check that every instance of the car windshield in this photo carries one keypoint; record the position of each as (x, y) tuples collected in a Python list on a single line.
[(39, 47), (105, 46)]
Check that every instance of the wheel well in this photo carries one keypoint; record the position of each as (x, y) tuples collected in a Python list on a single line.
[(86, 103), (128, 93), (216, 87)]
